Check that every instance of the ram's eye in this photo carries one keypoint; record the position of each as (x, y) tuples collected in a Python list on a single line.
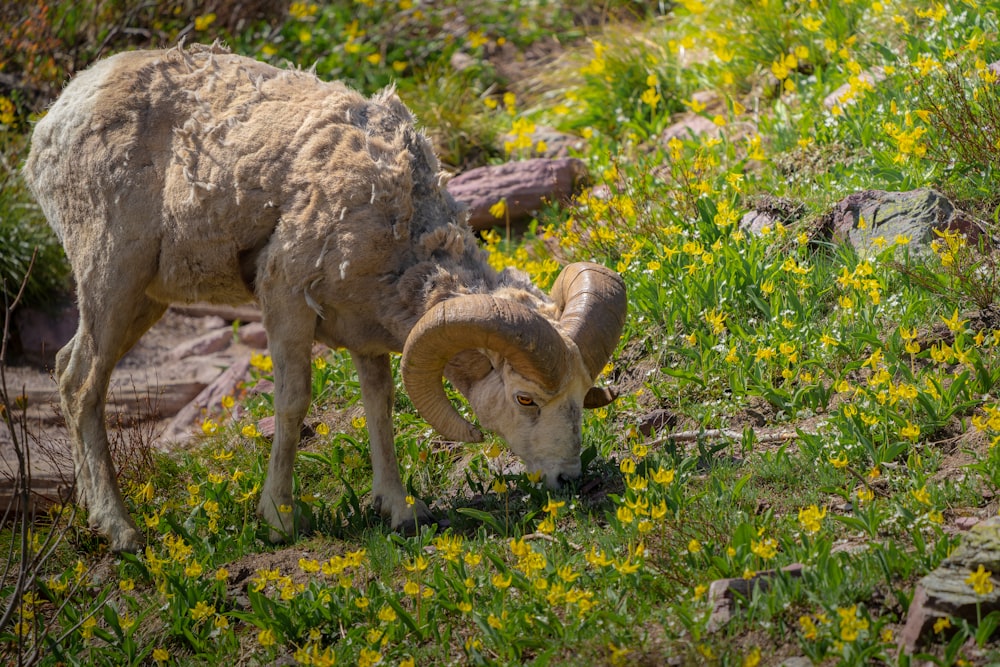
[(525, 400)]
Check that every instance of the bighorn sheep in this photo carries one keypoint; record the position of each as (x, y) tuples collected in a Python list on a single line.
[(195, 174)]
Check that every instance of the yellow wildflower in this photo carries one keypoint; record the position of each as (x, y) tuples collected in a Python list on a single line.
[(810, 518), (980, 581), (499, 210), (202, 22)]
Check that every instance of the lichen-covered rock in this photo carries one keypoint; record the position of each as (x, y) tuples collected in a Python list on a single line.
[(945, 592), (863, 217)]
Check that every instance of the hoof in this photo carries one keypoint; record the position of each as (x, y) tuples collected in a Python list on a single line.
[(280, 524), (300, 526), (127, 541), (118, 527), (403, 517)]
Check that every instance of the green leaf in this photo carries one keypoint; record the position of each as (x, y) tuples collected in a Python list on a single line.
[(853, 522), (482, 517), (738, 487), (684, 375), (986, 628), (393, 602)]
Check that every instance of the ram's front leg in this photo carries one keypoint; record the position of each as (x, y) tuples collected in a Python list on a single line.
[(388, 492), (290, 327)]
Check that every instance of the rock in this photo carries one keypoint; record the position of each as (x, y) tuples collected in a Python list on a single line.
[(756, 222), (248, 312), (722, 593), (461, 61), (796, 661), (266, 427), (156, 400), (767, 210), (915, 214), (182, 426), (253, 335), (945, 591), (44, 492), (213, 341), (262, 386), (845, 95), (656, 420), (557, 144), (43, 332), (159, 392), (152, 383), (920, 620), (965, 522), (690, 124), (526, 186)]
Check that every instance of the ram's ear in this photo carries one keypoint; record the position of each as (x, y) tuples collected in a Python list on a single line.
[(598, 397), (466, 368)]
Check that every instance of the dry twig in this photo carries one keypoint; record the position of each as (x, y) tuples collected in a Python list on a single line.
[(723, 434), (549, 538)]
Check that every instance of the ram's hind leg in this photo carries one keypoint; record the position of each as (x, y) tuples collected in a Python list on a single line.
[(110, 324)]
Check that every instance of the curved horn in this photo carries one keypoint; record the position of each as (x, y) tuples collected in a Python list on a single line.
[(479, 321), (593, 303)]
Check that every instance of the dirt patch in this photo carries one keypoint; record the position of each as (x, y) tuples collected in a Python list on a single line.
[(285, 561), (139, 406)]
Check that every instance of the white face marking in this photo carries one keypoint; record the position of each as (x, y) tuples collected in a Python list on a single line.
[(546, 432)]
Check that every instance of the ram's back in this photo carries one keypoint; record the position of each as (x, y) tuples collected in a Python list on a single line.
[(201, 163)]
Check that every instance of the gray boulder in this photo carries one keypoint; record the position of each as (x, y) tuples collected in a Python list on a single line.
[(862, 217), (946, 593)]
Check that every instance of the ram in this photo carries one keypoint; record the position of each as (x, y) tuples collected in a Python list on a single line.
[(193, 174)]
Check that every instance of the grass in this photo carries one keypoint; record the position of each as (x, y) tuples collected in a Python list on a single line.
[(873, 362), (26, 239)]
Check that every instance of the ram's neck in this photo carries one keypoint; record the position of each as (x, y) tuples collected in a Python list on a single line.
[(443, 262), (456, 266)]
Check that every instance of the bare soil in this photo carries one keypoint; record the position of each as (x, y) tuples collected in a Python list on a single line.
[(133, 397)]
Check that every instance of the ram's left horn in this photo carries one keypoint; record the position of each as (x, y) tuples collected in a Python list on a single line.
[(477, 321), (593, 302)]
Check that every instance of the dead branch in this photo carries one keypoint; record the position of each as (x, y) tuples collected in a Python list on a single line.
[(549, 538), (724, 434)]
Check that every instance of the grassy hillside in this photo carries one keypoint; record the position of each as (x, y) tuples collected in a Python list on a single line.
[(830, 407)]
